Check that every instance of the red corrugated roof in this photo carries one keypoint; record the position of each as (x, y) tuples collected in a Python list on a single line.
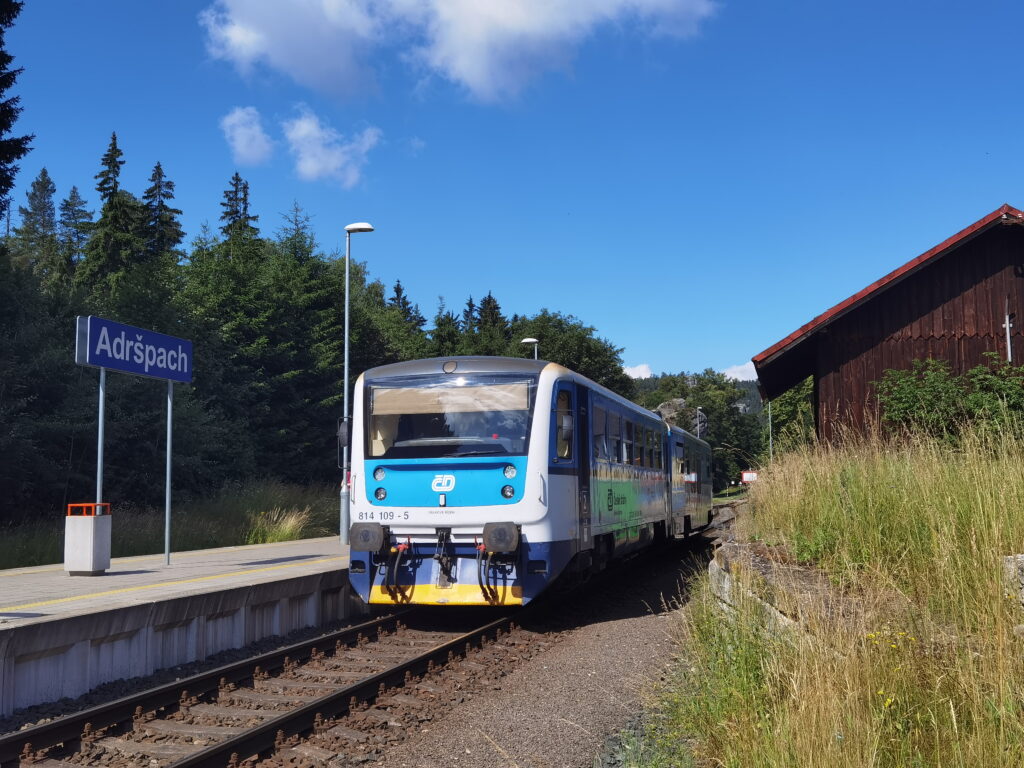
[(829, 315)]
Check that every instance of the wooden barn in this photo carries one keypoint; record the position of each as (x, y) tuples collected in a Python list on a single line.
[(949, 303)]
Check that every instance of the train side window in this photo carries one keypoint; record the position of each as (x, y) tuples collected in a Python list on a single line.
[(657, 451), (629, 442), (600, 438), (563, 425), (650, 448), (638, 445), (615, 436)]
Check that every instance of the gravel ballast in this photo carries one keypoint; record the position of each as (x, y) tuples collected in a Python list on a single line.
[(558, 709)]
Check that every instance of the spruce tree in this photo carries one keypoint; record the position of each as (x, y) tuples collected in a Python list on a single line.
[(12, 148), (470, 321), (34, 244), (235, 214), (493, 329), (163, 230), (446, 335), (73, 227), (108, 183), (295, 237), (117, 275), (410, 312)]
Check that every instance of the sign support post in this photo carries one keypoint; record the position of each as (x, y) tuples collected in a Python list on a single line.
[(167, 475), (99, 435)]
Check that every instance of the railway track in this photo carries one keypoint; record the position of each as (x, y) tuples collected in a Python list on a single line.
[(327, 701), (337, 700)]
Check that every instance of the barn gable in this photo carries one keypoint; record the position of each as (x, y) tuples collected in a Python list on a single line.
[(947, 303)]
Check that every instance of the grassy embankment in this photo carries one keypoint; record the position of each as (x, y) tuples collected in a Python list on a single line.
[(252, 513), (928, 668)]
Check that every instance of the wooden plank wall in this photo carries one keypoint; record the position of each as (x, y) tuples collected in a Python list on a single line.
[(952, 309)]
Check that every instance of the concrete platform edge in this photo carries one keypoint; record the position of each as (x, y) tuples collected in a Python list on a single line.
[(69, 656)]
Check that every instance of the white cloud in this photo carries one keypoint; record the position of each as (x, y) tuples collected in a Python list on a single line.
[(642, 371), (493, 48), (243, 129), (743, 372), (322, 153)]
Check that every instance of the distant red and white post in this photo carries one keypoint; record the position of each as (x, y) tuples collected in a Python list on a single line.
[(748, 477)]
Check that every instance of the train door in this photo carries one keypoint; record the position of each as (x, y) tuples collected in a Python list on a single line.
[(565, 460), (585, 461)]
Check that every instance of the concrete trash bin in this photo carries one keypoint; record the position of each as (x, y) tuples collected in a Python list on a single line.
[(87, 539)]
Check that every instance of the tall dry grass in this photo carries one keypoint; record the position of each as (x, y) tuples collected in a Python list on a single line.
[(926, 668)]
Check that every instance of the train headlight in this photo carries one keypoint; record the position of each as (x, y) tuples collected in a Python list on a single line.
[(508, 491), (366, 537), (378, 474), (501, 537), (380, 494), (510, 471)]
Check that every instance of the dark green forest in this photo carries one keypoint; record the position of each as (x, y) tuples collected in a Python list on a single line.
[(264, 308)]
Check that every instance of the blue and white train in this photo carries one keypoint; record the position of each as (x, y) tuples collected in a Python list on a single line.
[(482, 480)]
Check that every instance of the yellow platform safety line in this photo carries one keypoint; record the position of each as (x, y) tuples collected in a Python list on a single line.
[(124, 590), (154, 556), (457, 594)]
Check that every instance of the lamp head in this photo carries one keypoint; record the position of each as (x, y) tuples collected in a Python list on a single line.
[(528, 341), (361, 226)]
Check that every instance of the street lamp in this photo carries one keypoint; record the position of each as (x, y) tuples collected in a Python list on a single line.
[(361, 226), (534, 342), (700, 418)]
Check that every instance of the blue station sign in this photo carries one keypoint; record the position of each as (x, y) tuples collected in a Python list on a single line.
[(106, 344)]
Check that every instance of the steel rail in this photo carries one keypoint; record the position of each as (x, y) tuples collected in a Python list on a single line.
[(69, 729), (264, 737)]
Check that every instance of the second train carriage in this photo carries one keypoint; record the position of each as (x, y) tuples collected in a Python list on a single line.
[(481, 480)]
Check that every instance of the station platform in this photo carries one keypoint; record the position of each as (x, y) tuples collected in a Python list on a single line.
[(63, 635)]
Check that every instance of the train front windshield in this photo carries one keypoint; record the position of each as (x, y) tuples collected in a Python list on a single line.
[(449, 416)]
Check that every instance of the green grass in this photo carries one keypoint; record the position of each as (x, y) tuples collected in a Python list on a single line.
[(733, 493), (246, 513), (925, 669)]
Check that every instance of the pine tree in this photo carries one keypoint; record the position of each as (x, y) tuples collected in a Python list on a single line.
[(73, 227), (108, 183), (163, 230), (12, 148)]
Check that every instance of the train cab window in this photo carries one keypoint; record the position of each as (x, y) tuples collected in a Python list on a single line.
[(563, 425), (615, 436), (600, 438), (629, 442)]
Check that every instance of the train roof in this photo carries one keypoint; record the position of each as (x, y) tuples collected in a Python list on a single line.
[(679, 430), (463, 363)]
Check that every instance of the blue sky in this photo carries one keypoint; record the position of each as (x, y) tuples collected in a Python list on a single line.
[(694, 178)]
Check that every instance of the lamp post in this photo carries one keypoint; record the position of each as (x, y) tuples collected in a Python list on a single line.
[(361, 226), (531, 341), (700, 418)]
